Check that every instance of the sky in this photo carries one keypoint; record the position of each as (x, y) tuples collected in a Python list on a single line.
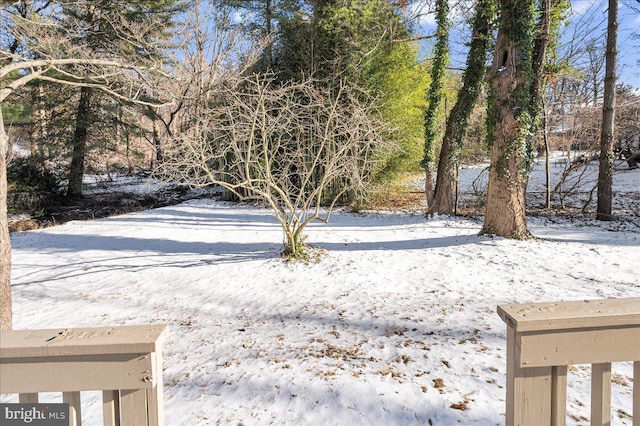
[(588, 17), (628, 34)]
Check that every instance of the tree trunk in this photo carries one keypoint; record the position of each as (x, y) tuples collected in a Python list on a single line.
[(510, 121), (539, 54), (5, 242), (268, 15), (157, 145), (547, 154), (40, 132), (447, 178), (605, 178), (76, 171), (538, 85), (435, 95)]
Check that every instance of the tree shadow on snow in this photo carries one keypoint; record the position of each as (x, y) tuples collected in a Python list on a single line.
[(147, 254), (413, 244)]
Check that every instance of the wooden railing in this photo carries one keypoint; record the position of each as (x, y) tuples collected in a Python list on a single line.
[(123, 362), (544, 338)]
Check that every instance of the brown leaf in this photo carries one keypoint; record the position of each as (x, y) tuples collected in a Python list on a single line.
[(462, 406)]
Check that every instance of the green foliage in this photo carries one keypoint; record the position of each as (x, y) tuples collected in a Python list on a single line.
[(53, 121), (15, 113), (31, 174), (294, 50), (296, 250), (139, 30), (400, 84), (259, 19), (355, 35), (365, 45)]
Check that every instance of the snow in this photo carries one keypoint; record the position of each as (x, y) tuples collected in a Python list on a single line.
[(395, 323)]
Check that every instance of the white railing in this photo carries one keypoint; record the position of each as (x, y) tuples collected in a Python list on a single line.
[(125, 363), (544, 338)]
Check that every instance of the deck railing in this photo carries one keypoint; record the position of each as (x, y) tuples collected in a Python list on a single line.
[(544, 338), (125, 363)]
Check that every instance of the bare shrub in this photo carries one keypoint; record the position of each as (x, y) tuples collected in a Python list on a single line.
[(299, 148)]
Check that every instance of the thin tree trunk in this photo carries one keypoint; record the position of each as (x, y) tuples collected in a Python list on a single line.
[(268, 13), (5, 241), (447, 178), (76, 171), (547, 154), (605, 178), (157, 144), (539, 53), (538, 85), (39, 132)]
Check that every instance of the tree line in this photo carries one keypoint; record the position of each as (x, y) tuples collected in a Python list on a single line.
[(300, 104)]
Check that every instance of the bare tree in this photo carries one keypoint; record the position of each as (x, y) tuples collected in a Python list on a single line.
[(211, 51), (298, 148)]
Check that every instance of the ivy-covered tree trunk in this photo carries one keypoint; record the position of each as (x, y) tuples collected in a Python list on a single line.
[(76, 170), (605, 178), (5, 242), (447, 178), (510, 120), (435, 94)]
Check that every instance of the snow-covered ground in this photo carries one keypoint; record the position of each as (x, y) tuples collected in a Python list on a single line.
[(396, 323)]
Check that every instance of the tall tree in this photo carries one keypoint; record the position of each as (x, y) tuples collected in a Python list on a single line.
[(435, 93), (367, 45), (510, 120), (447, 179), (260, 19), (105, 25), (605, 161), (53, 57)]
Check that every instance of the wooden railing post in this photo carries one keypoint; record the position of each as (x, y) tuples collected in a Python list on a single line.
[(636, 393), (528, 389), (544, 338), (28, 398), (111, 407), (559, 395), (124, 362), (601, 394), (75, 412)]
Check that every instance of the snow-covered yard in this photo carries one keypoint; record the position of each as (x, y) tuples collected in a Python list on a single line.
[(396, 323)]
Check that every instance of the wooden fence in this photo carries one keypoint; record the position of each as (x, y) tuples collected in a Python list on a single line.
[(544, 338), (125, 363)]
